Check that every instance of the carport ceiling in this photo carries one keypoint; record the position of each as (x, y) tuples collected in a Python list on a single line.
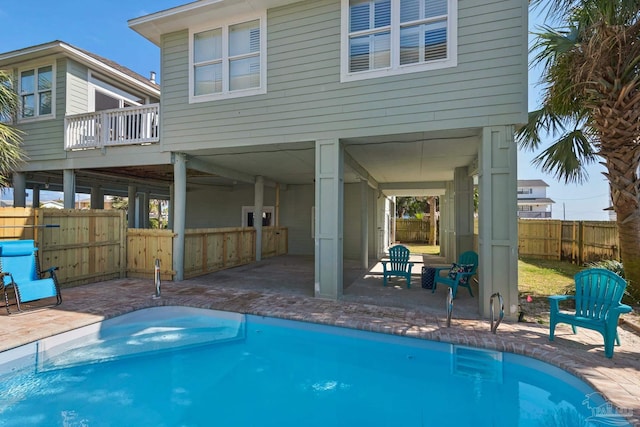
[(407, 158)]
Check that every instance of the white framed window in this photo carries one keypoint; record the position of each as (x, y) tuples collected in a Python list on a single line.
[(36, 87), (387, 37), (228, 60)]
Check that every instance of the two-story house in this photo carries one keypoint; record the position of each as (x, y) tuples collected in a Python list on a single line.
[(318, 112), (532, 199)]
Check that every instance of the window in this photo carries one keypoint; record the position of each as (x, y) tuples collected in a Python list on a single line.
[(383, 37), (248, 215), (228, 61), (36, 92)]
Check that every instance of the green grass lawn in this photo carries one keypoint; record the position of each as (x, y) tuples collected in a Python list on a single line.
[(536, 277)]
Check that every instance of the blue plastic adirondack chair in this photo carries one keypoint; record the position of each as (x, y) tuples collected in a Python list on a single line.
[(459, 274), (598, 305), (20, 270), (398, 264)]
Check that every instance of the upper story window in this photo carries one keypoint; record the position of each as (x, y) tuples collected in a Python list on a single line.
[(36, 89), (385, 37), (228, 61)]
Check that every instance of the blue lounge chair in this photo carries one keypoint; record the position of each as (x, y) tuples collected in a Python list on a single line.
[(398, 264), (20, 270), (598, 305), (459, 274)]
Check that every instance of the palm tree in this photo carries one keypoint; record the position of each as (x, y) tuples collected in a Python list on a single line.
[(591, 106), (11, 155)]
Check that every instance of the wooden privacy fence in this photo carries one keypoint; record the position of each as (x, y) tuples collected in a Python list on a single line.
[(574, 241), (144, 246), (205, 249), (412, 230), (86, 246), (94, 245)]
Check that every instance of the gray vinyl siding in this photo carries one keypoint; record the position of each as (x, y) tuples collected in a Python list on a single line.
[(44, 138), (306, 101), (77, 88)]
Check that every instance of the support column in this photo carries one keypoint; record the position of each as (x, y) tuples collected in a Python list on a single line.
[(170, 214), (447, 223), (36, 196), (69, 187), (258, 204), (143, 209), (393, 213), (329, 218), (131, 206), (463, 195), (97, 197), (498, 223), (432, 221), (19, 190), (180, 188), (276, 213), (364, 224)]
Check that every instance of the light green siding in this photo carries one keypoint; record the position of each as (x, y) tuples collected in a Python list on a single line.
[(44, 138), (210, 207), (77, 89), (306, 101), (296, 203)]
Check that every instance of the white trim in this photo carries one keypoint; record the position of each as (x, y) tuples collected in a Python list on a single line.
[(95, 84), (226, 93), (54, 77), (396, 68)]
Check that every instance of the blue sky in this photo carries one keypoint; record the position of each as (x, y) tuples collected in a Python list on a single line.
[(101, 27)]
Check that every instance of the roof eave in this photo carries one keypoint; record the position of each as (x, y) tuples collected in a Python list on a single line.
[(182, 17), (60, 47)]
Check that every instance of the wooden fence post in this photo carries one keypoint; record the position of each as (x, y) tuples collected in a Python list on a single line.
[(580, 242)]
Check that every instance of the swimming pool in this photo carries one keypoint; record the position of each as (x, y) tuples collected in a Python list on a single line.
[(178, 366)]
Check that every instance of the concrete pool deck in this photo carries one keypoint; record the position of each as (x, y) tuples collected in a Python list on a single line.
[(283, 287)]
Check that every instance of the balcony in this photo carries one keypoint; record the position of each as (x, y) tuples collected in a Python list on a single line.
[(110, 128)]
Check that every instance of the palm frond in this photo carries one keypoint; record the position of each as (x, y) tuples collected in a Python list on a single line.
[(567, 158), (11, 154)]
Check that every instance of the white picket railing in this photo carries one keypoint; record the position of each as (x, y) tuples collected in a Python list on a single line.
[(120, 126)]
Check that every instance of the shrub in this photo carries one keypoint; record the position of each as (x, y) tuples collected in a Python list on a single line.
[(609, 264)]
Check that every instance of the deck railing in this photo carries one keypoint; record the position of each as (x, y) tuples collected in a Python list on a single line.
[(119, 126)]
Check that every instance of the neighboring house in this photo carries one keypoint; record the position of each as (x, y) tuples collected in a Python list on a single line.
[(52, 204), (90, 125), (318, 113), (532, 199)]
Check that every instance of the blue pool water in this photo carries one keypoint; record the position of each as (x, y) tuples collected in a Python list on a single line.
[(174, 366)]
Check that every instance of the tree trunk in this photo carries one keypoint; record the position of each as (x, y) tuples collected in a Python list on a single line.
[(625, 195)]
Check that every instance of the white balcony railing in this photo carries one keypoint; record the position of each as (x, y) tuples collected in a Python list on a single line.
[(120, 126)]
